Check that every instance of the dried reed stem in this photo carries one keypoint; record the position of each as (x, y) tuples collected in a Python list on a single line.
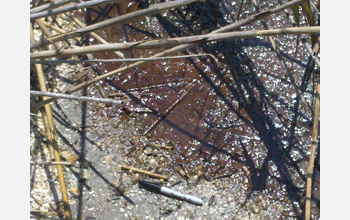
[(73, 97), (46, 31), (121, 60), (63, 163), (173, 41), (312, 54), (71, 7), (51, 5), (181, 48), (155, 175), (47, 134), (94, 35), (53, 139), (53, 27), (153, 9), (310, 168), (167, 147)]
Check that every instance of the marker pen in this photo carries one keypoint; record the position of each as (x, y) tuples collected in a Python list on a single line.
[(155, 187)]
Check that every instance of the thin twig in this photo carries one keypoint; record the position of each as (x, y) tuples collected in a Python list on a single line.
[(53, 163), (73, 97), (39, 202), (310, 168), (185, 91), (312, 54), (53, 27), (153, 9), (71, 7), (155, 175), (167, 147), (151, 87), (42, 212), (314, 8), (94, 35), (173, 41), (121, 60), (137, 110), (47, 133), (46, 31), (316, 47), (51, 5)]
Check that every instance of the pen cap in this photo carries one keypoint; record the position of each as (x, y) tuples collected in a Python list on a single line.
[(150, 186)]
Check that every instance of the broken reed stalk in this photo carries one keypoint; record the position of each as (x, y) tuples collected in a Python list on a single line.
[(316, 47), (167, 147), (312, 54), (310, 168), (47, 134), (51, 5), (43, 212), (62, 31), (39, 202), (53, 163), (137, 110), (94, 35), (54, 140), (46, 31), (53, 27), (150, 87), (173, 41), (153, 9), (73, 97), (181, 48), (184, 91), (155, 175), (71, 7), (43, 113), (121, 60)]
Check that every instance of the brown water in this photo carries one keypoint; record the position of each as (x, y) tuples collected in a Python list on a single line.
[(242, 118)]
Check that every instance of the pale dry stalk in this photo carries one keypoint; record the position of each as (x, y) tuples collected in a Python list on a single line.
[(122, 60), (310, 169), (172, 42), (51, 5), (153, 9), (155, 175), (73, 97), (46, 31), (181, 48), (71, 7), (53, 139), (94, 35)]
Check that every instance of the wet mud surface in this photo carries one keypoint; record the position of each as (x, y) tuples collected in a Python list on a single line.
[(241, 132)]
